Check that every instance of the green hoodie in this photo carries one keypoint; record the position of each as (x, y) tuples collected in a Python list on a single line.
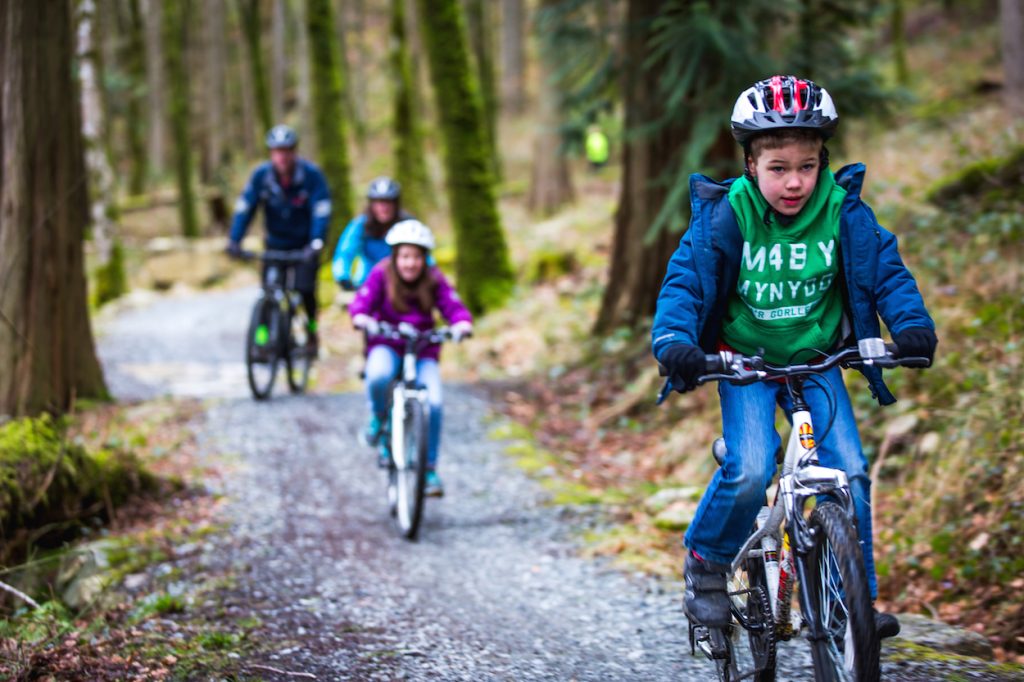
[(786, 297)]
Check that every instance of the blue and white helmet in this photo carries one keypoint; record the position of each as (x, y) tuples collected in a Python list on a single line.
[(383, 189), (282, 137), (410, 232)]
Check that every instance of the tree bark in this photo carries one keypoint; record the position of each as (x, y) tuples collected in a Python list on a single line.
[(513, 60), (278, 61), (1011, 20), (328, 115), (47, 355), (304, 81), (110, 277), (156, 85), (215, 82), (410, 160), (550, 181), (482, 263), (479, 21), (133, 56), (176, 21), (899, 42), (638, 262), (252, 29)]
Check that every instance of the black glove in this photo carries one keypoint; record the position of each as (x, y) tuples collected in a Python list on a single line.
[(234, 249), (346, 284), (685, 363), (916, 342)]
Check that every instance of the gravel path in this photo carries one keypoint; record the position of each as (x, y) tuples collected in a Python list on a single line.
[(494, 589)]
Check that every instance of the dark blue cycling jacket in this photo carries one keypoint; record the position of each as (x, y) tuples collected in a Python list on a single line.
[(703, 272), (294, 216)]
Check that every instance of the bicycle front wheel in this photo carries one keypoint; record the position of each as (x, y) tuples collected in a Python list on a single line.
[(261, 348), (411, 468), (297, 358), (837, 592)]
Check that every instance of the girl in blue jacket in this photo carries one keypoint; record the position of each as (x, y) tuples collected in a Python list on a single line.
[(784, 258), (362, 244)]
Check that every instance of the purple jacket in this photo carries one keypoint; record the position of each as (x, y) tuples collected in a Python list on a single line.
[(372, 300)]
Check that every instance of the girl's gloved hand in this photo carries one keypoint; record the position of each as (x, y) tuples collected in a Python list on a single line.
[(366, 323), (461, 330)]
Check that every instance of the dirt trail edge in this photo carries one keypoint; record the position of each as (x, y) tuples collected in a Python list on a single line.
[(494, 589)]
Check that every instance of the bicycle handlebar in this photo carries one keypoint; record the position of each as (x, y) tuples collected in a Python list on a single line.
[(743, 369), (275, 256), (406, 332)]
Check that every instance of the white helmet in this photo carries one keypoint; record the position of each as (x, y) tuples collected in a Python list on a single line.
[(410, 232)]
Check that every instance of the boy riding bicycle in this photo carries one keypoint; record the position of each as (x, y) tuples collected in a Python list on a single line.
[(786, 259)]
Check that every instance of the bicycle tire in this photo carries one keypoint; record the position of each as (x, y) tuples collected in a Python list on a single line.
[(266, 354), (412, 479), (297, 360), (838, 593)]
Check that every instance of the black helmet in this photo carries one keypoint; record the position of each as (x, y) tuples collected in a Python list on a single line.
[(282, 137), (783, 102), (383, 188)]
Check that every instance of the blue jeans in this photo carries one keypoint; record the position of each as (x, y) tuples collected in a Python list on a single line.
[(382, 365), (726, 513)]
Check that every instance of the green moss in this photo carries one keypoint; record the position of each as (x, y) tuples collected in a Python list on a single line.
[(546, 265), (410, 159), (989, 181)]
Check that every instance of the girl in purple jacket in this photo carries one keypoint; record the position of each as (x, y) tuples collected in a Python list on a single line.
[(404, 288)]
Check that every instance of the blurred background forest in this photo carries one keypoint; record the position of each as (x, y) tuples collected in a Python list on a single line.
[(480, 108)]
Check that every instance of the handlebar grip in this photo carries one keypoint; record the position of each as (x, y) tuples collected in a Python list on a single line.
[(713, 363)]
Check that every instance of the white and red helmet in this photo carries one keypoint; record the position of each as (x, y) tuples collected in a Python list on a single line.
[(783, 102)]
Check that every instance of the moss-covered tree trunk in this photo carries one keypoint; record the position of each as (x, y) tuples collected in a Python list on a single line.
[(480, 35), (47, 355), (897, 24), (133, 56), (410, 161), (328, 113), (638, 263), (482, 262), (177, 19), (252, 28)]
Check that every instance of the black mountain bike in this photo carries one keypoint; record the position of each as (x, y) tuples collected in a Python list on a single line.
[(279, 326), (819, 549), (404, 434)]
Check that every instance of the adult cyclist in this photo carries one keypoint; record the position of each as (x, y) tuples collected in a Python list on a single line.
[(297, 211), (362, 244)]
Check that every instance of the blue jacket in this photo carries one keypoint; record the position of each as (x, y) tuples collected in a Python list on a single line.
[(355, 245), (704, 269), (294, 216)]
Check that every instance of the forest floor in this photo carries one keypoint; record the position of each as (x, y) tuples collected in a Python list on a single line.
[(281, 563)]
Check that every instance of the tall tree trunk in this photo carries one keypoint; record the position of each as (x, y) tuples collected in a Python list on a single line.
[(513, 56), (341, 27), (328, 116), (482, 262), (278, 60), (252, 29), (410, 161), (303, 85), (479, 21), (637, 262), (155, 86), (899, 41), (47, 355), (247, 135), (550, 182), (1011, 19), (133, 56), (215, 82), (355, 73), (110, 277), (176, 19)]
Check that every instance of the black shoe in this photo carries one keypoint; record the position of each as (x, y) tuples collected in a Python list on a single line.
[(886, 624), (706, 601)]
